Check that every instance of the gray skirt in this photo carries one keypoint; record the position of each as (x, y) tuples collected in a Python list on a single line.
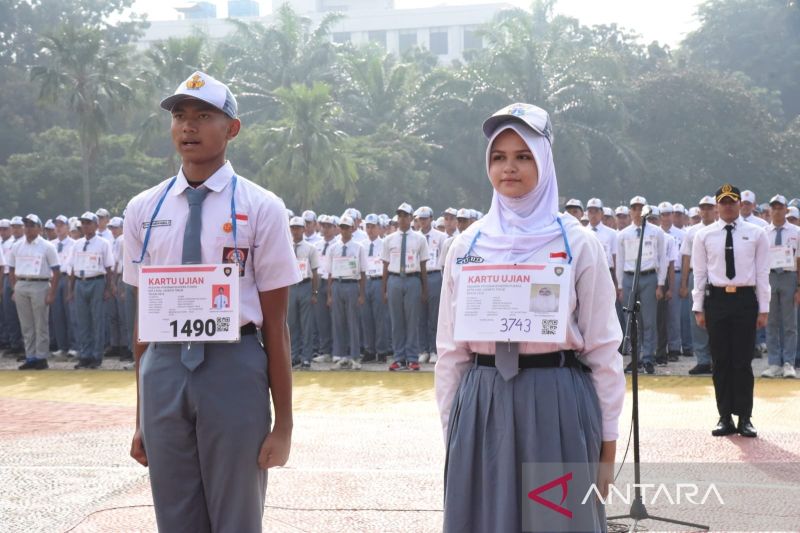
[(508, 438)]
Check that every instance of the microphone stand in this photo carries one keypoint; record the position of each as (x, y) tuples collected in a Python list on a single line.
[(630, 345)]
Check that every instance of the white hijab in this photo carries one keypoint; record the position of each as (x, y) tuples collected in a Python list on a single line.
[(514, 229)]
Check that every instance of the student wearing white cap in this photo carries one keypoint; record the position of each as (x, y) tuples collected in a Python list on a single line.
[(654, 270), (34, 276), (374, 315), (63, 317), (574, 207), (103, 218), (708, 214), (606, 235), (429, 316), (12, 326), (359, 235), (204, 417), (622, 214), (91, 285), (508, 407), (609, 220), (784, 240), (793, 215), (322, 312), (119, 336), (310, 233), (303, 296), (405, 285), (748, 208), (347, 264), (671, 344), (450, 222)]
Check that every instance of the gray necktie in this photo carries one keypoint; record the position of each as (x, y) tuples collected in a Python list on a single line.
[(193, 353), (506, 359), (778, 242)]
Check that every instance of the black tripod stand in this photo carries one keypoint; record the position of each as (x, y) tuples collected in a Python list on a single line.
[(638, 511)]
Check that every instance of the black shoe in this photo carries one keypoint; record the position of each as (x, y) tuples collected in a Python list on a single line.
[(21, 358), (700, 369), (27, 365), (111, 351), (305, 365), (629, 367), (41, 364), (649, 368), (296, 364), (381, 358), (369, 357), (125, 355), (82, 363), (688, 353), (673, 357), (724, 427), (661, 360), (94, 365), (746, 428)]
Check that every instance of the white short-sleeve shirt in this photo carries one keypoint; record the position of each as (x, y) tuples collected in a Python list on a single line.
[(25, 252), (415, 244), (95, 247), (263, 240)]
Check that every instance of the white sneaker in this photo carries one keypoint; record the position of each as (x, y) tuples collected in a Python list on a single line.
[(342, 364), (73, 353), (423, 357), (789, 371), (763, 348), (58, 353), (336, 358), (774, 371), (355, 365), (433, 358), (323, 358)]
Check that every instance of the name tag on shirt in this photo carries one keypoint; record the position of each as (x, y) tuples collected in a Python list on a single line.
[(88, 262), (513, 303), (411, 262), (183, 303), (781, 257), (28, 265), (632, 249), (374, 266), (345, 267)]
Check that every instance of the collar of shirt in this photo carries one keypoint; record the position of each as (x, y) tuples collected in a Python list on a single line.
[(216, 182)]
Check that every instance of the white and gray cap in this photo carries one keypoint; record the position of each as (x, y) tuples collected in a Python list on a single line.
[(424, 212), (532, 116), (608, 212), (594, 202), (115, 222), (346, 220), (450, 211), (778, 199), (33, 219), (694, 212), (665, 207), (405, 208), (201, 86), (574, 202), (297, 221), (5, 223), (793, 212), (309, 215), (638, 200), (17, 221), (622, 210), (707, 200), (102, 212), (372, 218), (88, 216), (464, 213)]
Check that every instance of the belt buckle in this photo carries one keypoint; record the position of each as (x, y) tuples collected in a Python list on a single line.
[(730, 289)]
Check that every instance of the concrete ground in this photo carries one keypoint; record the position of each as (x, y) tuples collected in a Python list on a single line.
[(367, 450)]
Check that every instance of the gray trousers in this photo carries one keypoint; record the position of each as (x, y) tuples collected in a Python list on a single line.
[(429, 313), (373, 318), (90, 308), (34, 316), (405, 302), (301, 321), (130, 312), (687, 317), (346, 340), (63, 318), (117, 325), (13, 333), (202, 431), (702, 350), (647, 298), (322, 320), (782, 324)]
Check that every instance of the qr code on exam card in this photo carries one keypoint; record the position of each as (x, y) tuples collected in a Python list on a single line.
[(549, 327), (223, 323)]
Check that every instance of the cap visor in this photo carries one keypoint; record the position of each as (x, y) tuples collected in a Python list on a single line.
[(492, 123), (171, 101), (731, 195)]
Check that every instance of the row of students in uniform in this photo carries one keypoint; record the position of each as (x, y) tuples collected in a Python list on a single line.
[(78, 310)]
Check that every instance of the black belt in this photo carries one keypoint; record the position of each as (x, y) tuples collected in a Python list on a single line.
[(89, 278), (345, 280), (306, 280), (772, 271), (406, 275), (374, 277), (248, 329), (732, 289), (33, 279), (564, 358), (644, 272)]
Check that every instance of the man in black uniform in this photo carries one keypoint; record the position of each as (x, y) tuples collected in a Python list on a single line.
[(731, 299)]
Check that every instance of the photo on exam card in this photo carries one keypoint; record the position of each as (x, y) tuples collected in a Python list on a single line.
[(235, 255), (544, 298), (220, 296)]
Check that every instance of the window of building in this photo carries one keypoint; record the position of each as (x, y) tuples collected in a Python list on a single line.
[(439, 44), (341, 37), (408, 40), (472, 40), (378, 37)]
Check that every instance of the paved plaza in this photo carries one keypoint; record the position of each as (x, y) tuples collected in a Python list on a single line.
[(367, 452)]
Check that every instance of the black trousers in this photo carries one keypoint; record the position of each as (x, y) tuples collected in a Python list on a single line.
[(731, 324)]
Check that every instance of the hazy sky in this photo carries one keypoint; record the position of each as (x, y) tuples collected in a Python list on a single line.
[(667, 21)]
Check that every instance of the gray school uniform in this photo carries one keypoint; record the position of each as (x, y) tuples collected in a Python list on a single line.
[(374, 317), (301, 317), (429, 315), (322, 313), (345, 291), (90, 286), (63, 318), (782, 324)]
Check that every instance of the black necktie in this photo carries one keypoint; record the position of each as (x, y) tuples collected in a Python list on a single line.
[(371, 248), (730, 267), (325, 249), (60, 247)]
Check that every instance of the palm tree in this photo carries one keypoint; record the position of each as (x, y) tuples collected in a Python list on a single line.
[(308, 154), (83, 70)]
